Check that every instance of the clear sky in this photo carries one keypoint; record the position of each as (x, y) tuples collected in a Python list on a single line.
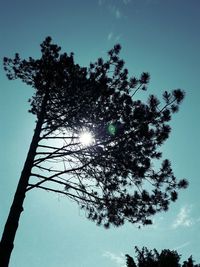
[(159, 36)]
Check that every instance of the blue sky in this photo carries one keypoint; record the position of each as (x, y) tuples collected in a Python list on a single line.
[(158, 36)]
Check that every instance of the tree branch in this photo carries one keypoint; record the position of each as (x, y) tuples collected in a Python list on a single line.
[(66, 193), (57, 174)]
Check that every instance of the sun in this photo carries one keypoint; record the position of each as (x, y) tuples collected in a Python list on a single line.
[(86, 138)]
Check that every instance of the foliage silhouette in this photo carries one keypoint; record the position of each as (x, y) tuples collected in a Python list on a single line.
[(152, 258), (113, 179)]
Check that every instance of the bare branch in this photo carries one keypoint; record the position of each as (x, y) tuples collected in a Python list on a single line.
[(58, 174), (65, 193)]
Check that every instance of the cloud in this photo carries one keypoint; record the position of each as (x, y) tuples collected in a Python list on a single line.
[(113, 7), (182, 245), (183, 218), (119, 260), (100, 2), (126, 1), (112, 37), (117, 14), (115, 11)]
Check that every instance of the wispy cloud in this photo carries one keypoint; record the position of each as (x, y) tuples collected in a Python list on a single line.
[(114, 7), (117, 14), (183, 218), (100, 2), (113, 37), (110, 35), (182, 245), (119, 260), (126, 1), (115, 11)]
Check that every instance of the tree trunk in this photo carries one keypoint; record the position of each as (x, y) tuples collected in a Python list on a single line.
[(10, 229)]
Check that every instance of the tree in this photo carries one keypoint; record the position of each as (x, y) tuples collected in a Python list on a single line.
[(129, 261), (152, 258), (190, 263), (112, 177)]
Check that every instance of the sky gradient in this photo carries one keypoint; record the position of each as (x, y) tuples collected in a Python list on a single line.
[(158, 36)]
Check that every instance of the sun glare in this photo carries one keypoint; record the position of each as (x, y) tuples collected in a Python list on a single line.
[(86, 138)]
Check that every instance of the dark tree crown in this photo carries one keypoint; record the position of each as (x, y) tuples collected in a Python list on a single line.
[(114, 179), (153, 258)]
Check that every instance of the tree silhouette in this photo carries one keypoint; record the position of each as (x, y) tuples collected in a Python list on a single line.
[(190, 263), (152, 258), (113, 178)]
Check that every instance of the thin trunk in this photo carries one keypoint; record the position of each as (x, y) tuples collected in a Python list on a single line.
[(10, 229)]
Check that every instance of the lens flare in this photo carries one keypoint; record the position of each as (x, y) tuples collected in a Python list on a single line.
[(86, 138), (112, 129)]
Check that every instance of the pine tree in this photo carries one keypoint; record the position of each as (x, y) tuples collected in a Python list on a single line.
[(112, 177), (152, 258), (190, 263), (129, 261)]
